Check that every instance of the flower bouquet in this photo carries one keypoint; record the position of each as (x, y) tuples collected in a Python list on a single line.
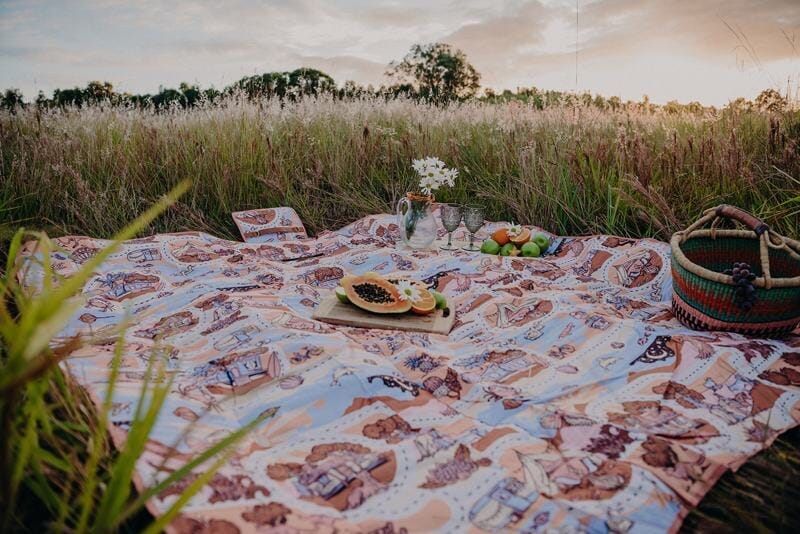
[(414, 216)]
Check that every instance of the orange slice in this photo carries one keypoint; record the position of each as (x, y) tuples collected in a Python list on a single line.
[(523, 237), (426, 303)]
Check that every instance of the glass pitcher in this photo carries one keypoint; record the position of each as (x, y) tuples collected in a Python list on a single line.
[(416, 221)]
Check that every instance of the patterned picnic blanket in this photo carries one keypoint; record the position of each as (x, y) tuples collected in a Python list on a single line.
[(566, 398)]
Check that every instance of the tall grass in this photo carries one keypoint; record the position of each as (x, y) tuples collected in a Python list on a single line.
[(631, 171)]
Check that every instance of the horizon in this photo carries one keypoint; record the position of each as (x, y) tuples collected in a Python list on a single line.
[(710, 53)]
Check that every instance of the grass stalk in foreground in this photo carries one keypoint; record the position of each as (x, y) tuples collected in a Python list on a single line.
[(58, 467)]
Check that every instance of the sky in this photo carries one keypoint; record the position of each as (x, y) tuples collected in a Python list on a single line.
[(710, 51)]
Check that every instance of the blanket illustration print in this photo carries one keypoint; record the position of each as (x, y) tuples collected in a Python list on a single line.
[(566, 398)]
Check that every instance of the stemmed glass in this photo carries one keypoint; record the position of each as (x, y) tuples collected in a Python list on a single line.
[(451, 219), (473, 220)]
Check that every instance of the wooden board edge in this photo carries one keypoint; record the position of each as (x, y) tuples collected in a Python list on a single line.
[(440, 326)]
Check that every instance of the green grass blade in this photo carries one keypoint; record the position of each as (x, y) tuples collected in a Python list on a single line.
[(198, 460)]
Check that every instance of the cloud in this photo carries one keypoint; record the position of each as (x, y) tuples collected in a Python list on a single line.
[(702, 28), (496, 44), (51, 55), (622, 41), (353, 68), (671, 49)]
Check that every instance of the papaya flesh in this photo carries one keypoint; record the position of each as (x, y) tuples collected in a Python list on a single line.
[(374, 294), (369, 274)]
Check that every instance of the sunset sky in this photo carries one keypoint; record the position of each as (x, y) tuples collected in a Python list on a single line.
[(668, 49)]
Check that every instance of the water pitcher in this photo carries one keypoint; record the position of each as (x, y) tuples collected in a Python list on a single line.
[(416, 221)]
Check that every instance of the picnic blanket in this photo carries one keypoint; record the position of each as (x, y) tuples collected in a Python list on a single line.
[(567, 398)]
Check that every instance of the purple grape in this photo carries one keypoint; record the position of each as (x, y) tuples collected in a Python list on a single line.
[(744, 292)]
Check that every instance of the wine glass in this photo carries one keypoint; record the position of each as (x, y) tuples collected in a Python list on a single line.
[(473, 220), (451, 219)]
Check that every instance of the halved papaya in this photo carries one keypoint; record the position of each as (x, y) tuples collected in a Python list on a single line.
[(374, 294)]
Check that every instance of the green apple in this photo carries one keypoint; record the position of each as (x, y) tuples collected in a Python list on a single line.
[(490, 246), (507, 249), (341, 295), (542, 242), (531, 250), (441, 300)]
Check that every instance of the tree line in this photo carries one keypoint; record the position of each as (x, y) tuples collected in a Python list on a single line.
[(435, 72)]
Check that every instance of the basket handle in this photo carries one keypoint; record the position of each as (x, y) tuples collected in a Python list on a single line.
[(738, 214), (726, 211), (761, 229)]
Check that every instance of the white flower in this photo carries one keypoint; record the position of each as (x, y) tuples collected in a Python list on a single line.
[(433, 174), (408, 291), (449, 177), (513, 230), (436, 163), (428, 184)]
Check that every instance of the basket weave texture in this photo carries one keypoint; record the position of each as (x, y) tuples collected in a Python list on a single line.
[(704, 296)]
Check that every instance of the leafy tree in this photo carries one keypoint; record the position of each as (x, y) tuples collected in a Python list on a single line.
[(94, 92), (41, 100), (615, 103), (673, 107), (99, 91), (600, 102), (311, 82), (771, 100), (68, 97), (351, 89), (740, 104), (167, 96), (694, 107), (399, 89), (264, 85), (437, 72), (211, 94), (139, 101), (299, 82), (191, 94), (12, 99)]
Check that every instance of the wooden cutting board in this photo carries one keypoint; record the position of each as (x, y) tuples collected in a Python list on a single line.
[(331, 310)]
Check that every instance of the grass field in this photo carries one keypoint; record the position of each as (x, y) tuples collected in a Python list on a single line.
[(572, 170)]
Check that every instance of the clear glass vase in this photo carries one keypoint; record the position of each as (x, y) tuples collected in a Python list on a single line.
[(416, 221)]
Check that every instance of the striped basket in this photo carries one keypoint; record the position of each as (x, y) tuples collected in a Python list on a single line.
[(705, 297)]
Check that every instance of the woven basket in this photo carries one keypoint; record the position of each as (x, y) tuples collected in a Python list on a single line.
[(704, 297)]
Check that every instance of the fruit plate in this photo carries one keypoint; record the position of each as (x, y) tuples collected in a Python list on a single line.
[(331, 310)]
